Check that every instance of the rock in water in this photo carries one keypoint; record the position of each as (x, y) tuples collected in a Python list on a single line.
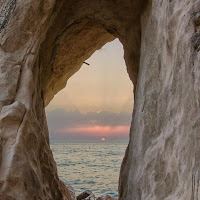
[(86, 195)]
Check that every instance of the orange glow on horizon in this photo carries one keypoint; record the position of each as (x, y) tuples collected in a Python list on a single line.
[(103, 139), (100, 131)]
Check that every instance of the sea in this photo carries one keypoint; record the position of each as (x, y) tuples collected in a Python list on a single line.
[(90, 166)]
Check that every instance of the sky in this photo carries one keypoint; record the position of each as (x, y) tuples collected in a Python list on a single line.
[(97, 101)]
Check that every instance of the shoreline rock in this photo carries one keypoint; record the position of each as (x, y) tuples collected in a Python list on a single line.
[(88, 195)]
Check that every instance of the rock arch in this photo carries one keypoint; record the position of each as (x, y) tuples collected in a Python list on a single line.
[(45, 42)]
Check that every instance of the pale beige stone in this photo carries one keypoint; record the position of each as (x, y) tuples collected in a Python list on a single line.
[(46, 42)]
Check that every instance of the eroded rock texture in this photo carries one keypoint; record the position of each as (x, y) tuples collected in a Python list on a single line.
[(162, 159), (46, 42)]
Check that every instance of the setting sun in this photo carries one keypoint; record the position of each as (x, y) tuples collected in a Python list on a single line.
[(103, 139)]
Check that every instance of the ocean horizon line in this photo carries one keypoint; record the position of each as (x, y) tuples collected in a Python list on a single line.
[(88, 141)]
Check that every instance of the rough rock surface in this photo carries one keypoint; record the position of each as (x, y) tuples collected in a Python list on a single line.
[(162, 160), (46, 41), (88, 195), (85, 195)]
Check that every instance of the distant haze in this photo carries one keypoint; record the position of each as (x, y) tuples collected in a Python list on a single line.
[(97, 101)]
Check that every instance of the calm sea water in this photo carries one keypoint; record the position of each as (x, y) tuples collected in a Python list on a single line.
[(90, 166)]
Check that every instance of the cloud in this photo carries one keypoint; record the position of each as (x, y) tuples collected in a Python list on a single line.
[(101, 131), (73, 124)]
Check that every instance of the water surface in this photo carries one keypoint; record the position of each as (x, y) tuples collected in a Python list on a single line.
[(90, 166)]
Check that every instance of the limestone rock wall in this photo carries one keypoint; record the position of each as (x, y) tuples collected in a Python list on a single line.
[(46, 41), (27, 168), (162, 159)]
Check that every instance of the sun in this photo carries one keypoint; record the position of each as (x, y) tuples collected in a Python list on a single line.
[(103, 139)]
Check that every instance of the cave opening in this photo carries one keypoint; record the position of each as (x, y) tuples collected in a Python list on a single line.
[(89, 122), (71, 41), (47, 46)]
